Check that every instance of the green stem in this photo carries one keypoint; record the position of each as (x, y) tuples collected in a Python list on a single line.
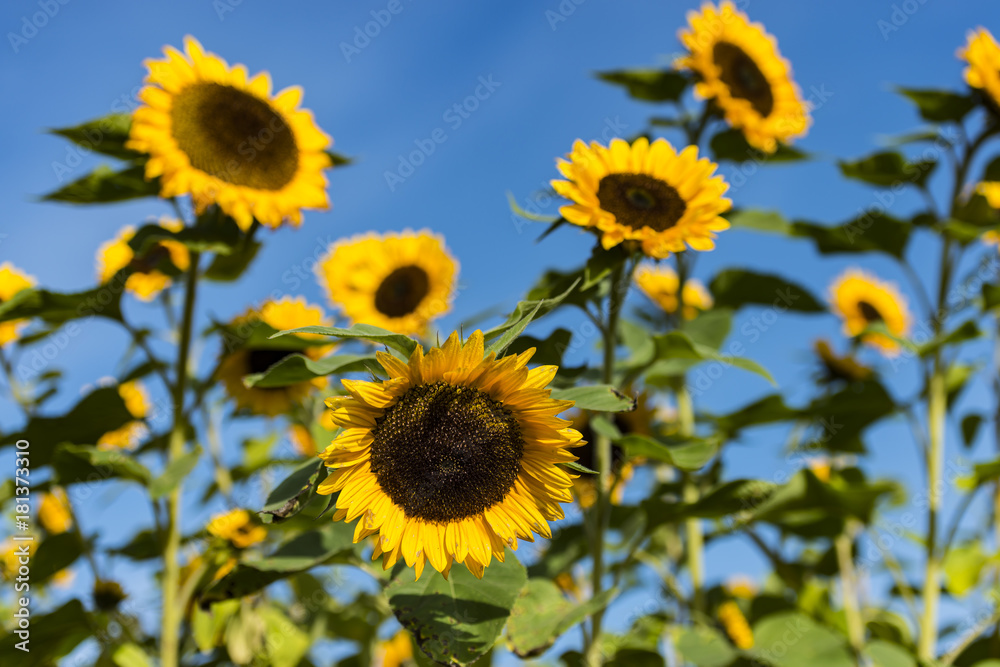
[(172, 614), (692, 527), (849, 590), (601, 511)]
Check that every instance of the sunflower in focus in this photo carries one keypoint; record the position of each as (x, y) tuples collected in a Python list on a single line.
[(862, 300), (285, 313), (147, 280), (982, 53), (213, 133), (396, 281), (452, 458), (660, 283), (238, 528), (132, 433), (54, 512), (396, 651), (738, 65), (647, 194), (12, 281)]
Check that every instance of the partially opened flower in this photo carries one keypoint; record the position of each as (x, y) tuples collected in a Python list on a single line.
[(660, 284), (452, 458), (146, 280), (12, 281), (132, 433), (646, 194), (396, 281), (249, 358), (862, 300), (238, 528), (54, 511), (213, 133), (739, 67), (982, 53)]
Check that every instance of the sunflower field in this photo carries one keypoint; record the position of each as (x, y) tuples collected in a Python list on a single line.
[(494, 381)]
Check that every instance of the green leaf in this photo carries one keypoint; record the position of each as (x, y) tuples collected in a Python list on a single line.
[(106, 135), (650, 85), (966, 331), (88, 464), (524, 313), (676, 353), (338, 160), (333, 543), (287, 643), (105, 185), (887, 169), (734, 288), (991, 296), (970, 427), (599, 398), (939, 106), (52, 636), (297, 368), (704, 646), (963, 566), (732, 145), (710, 328), (58, 308), (174, 474), (576, 466), (549, 351), (791, 639), (887, 654), (218, 234), (759, 221), (398, 342), (870, 232), (294, 492), (767, 410), (54, 554), (542, 614), (144, 545), (130, 655), (686, 454), (456, 620), (229, 267)]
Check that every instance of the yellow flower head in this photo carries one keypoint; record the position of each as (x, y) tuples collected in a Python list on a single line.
[(11, 555), (741, 586), (735, 625), (862, 300), (982, 53), (54, 511), (396, 281), (147, 280), (646, 194), (129, 436), (213, 133), (738, 65), (12, 281), (395, 652), (282, 314), (452, 458), (821, 468), (302, 440), (990, 190), (238, 528), (659, 283)]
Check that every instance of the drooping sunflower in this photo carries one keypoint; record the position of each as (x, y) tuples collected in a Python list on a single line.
[(396, 281), (646, 193), (242, 360), (222, 138), (12, 281), (54, 512), (137, 403), (238, 528), (982, 53), (660, 283), (862, 300), (738, 65), (452, 458), (147, 280)]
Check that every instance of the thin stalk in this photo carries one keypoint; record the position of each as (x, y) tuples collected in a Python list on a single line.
[(849, 590), (602, 448), (692, 527), (172, 614)]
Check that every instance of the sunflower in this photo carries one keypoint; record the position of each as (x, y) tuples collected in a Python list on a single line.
[(990, 190), (735, 624), (302, 440), (108, 595), (12, 281), (983, 55), (645, 193), (396, 281), (54, 512), (147, 280), (837, 367), (11, 554), (660, 285), (238, 528), (222, 138), (862, 300), (396, 651), (452, 458), (741, 586), (285, 313), (738, 65), (137, 403)]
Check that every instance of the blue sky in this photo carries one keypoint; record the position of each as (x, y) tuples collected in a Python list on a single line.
[(378, 98)]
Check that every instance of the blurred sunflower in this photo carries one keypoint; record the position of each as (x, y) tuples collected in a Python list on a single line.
[(54, 511), (982, 53), (302, 440), (741, 586), (862, 300), (839, 367), (738, 65), (222, 138), (396, 281), (238, 528), (285, 313), (11, 553), (108, 595), (396, 651), (990, 190), (735, 624), (137, 403), (660, 283), (452, 458), (147, 280), (12, 281), (647, 194)]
